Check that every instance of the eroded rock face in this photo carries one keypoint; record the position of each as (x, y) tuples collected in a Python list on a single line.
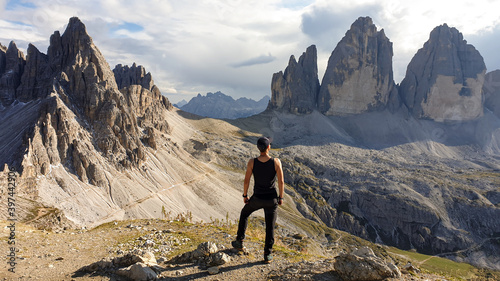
[(12, 64), (491, 90), (143, 96), (296, 90), (444, 80), (135, 75), (359, 75), (36, 80)]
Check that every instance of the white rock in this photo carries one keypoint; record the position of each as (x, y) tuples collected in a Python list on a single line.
[(213, 270)]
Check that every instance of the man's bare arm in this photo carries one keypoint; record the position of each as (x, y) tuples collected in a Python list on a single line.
[(246, 183), (281, 180)]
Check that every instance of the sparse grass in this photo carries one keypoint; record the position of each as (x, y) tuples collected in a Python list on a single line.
[(493, 176), (442, 266), (291, 254)]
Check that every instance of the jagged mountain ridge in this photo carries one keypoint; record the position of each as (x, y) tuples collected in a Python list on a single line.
[(77, 73), (221, 106), (359, 78)]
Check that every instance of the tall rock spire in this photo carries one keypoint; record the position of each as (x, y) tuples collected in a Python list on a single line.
[(359, 74), (296, 90), (12, 64), (444, 79)]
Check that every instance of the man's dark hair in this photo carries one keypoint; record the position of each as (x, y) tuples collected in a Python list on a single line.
[(263, 143)]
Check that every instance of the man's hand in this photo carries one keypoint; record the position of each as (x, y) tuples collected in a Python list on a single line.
[(245, 200), (280, 201)]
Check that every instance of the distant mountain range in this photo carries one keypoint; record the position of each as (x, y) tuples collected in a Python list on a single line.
[(221, 106)]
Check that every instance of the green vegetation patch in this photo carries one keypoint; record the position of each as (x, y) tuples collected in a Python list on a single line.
[(454, 270)]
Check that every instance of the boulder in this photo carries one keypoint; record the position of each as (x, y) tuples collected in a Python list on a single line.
[(213, 270), (206, 253), (207, 248), (363, 264), (410, 268), (444, 80), (219, 258), (148, 258), (296, 89), (359, 76), (138, 272)]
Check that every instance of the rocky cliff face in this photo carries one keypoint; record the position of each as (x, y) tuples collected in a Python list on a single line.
[(296, 89), (134, 75), (359, 74), (444, 79), (143, 96), (491, 90), (12, 63)]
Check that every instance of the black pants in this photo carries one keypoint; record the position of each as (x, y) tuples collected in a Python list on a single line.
[(270, 212)]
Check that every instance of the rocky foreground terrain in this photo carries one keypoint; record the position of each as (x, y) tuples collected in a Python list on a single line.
[(176, 249)]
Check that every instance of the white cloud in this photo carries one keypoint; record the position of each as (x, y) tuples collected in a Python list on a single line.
[(192, 46)]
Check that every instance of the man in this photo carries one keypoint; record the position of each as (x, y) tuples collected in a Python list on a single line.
[(265, 170)]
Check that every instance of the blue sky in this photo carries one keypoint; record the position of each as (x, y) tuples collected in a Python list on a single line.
[(235, 46)]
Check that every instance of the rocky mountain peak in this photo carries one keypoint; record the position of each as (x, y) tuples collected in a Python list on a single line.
[(14, 56), (134, 75), (297, 88), (359, 74), (364, 25), (12, 63), (445, 73), (84, 121)]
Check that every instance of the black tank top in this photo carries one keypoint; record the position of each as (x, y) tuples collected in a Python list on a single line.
[(264, 175)]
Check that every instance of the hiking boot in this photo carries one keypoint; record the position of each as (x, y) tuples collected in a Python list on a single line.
[(237, 244), (268, 258)]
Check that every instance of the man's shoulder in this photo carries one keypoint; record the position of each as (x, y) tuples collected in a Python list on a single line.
[(277, 161)]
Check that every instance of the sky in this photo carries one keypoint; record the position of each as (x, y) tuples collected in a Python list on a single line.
[(235, 46)]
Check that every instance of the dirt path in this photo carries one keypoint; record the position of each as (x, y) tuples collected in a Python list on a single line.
[(149, 196), (41, 212)]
